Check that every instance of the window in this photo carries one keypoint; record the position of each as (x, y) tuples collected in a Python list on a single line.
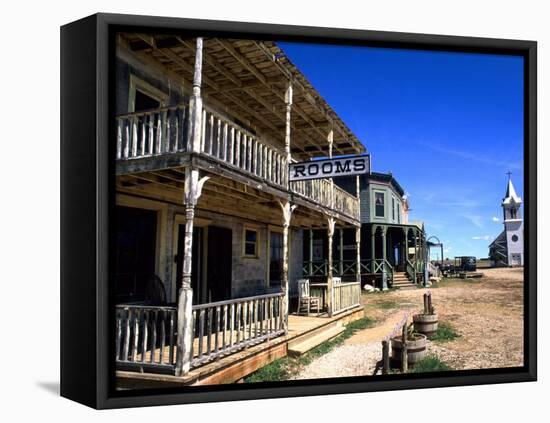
[(379, 204), (275, 258), (250, 247), (393, 208), (515, 238), (513, 213)]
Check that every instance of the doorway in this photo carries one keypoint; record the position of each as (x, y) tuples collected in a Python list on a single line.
[(211, 263), (135, 253)]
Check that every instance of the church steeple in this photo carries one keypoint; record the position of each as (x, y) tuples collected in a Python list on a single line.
[(511, 202)]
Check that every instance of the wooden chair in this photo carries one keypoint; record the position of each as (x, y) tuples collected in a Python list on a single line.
[(304, 297)]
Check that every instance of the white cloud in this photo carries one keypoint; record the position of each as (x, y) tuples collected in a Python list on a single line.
[(474, 219), (496, 219), (483, 237)]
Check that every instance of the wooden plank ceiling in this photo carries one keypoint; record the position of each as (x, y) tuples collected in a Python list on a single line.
[(248, 79)]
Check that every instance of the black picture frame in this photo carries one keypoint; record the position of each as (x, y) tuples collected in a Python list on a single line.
[(86, 200)]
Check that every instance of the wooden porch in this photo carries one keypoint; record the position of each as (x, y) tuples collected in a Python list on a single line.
[(304, 332)]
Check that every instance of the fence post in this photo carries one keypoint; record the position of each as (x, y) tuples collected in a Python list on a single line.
[(404, 354), (385, 357)]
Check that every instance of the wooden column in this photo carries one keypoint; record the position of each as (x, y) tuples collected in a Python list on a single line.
[(287, 209), (330, 140), (406, 249), (310, 251), (341, 252), (384, 246), (330, 285), (193, 187), (358, 253), (288, 104), (373, 245)]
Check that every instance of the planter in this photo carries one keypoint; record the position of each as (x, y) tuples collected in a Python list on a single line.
[(416, 348), (425, 323)]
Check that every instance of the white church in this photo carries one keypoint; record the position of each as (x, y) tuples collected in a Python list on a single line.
[(507, 248)]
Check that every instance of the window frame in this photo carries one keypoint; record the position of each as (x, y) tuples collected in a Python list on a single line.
[(383, 193), (138, 84), (256, 254)]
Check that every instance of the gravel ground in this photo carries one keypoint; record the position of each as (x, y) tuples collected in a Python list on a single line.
[(345, 360)]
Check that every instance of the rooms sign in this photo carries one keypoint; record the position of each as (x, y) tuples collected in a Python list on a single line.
[(330, 168)]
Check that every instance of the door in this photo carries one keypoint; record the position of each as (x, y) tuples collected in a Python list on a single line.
[(275, 258), (135, 253), (219, 258)]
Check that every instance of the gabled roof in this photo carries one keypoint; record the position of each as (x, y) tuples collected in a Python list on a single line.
[(388, 178), (511, 196)]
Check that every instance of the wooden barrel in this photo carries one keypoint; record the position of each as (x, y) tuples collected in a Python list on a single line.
[(425, 323), (416, 349)]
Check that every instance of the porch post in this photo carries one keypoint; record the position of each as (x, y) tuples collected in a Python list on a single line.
[(330, 285), (287, 209), (372, 245), (406, 249), (358, 253), (310, 251), (192, 192), (288, 104), (330, 139), (341, 252), (384, 274)]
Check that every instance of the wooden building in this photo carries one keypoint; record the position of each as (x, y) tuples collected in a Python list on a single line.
[(393, 251), (209, 230)]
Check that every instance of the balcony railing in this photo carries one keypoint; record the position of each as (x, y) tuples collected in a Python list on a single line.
[(165, 131)]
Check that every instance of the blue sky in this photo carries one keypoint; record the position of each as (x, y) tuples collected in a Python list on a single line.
[(448, 125)]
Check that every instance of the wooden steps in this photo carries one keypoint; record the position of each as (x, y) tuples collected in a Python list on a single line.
[(310, 340), (401, 281)]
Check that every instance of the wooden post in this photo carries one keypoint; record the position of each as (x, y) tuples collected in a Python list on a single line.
[(426, 309), (193, 187), (404, 354), (385, 357), (330, 285), (358, 253), (310, 251), (341, 252), (406, 252), (330, 139), (288, 103), (384, 274), (287, 209), (429, 303)]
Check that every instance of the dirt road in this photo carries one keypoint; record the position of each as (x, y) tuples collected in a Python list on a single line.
[(487, 313)]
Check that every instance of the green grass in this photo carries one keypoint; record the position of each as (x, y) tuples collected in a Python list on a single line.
[(284, 368), (445, 333), (430, 364)]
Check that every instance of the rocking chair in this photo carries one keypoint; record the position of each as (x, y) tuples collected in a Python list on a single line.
[(304, 298)]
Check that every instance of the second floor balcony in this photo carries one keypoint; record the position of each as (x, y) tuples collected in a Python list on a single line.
[(158, 139)]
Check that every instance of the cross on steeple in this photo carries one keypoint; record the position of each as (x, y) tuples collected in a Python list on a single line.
[(509, 174)]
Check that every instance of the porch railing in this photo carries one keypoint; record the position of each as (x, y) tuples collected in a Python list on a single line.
[(146, 338), (411, 271), (152, 133), (318, 190), (320, 268), (346, 296), (377, 266), (224, 327)]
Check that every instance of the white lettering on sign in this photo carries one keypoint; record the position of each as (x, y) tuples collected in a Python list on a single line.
[(330, 168)]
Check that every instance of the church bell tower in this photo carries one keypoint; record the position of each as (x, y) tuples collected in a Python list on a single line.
[(513, 225)]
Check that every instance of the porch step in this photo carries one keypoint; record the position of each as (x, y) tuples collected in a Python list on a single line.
[(303, 345)]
